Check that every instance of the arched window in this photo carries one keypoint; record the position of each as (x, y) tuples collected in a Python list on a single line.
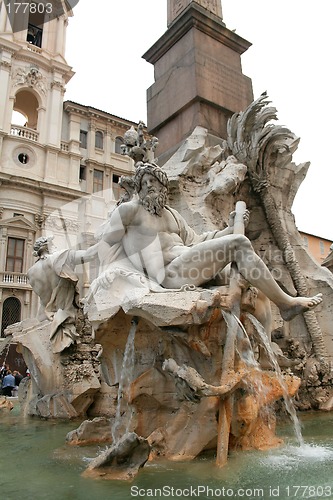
[(119, 143), (11, 313), (26, 106), (99, 139)]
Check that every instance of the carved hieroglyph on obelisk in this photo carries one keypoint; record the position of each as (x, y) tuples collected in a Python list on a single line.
[(175, 7)]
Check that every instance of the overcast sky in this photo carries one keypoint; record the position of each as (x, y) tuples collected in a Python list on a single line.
[(290, 58)]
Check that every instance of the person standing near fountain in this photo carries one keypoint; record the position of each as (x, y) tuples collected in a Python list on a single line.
[(8, 384), (158, 242), (53, 279)]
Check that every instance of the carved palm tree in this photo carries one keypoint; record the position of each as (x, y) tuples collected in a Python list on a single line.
[(267, 148)]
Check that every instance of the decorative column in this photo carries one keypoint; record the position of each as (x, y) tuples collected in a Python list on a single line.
[(74, 132), (108, 141), (91, 138), (55, 113), (5, 69), (42, 129), (60, 35)]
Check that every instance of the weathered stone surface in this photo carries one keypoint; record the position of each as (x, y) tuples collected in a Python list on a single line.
[(328, 262), (97, 430), (189, 170), (327, 404), (122, 461), (192, 430), (61, 385), (5, 405)]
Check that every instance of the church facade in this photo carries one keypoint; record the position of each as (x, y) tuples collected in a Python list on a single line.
[(60, 162)]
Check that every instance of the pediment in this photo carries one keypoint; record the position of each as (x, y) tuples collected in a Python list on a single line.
[(19, 222)]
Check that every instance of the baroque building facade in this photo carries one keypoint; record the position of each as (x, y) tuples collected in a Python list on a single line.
[(60, 162)]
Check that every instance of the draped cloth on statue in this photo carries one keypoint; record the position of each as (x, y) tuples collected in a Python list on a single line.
[(54, 281), (64, 302)]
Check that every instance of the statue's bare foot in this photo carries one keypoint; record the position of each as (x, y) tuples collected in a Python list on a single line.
[(300, 305)]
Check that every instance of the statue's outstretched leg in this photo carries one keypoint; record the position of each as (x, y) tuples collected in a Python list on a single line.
[(201, 262)]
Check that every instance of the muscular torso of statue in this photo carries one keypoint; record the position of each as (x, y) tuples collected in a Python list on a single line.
[(153, 241)]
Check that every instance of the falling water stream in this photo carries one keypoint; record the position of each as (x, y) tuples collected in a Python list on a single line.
[(272, 358), (123, 417), (34, 455), (248, 357)]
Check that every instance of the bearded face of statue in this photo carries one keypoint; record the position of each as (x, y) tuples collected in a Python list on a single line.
[(152, 194)]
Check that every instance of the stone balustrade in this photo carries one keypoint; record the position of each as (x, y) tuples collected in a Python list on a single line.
[(24, 133), (16, 279)]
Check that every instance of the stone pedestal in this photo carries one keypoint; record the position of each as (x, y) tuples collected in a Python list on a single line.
[(178, 414), (198, 78)]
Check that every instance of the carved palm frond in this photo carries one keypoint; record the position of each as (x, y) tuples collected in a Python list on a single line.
[(246, 129), (258, 143), (266, 148)]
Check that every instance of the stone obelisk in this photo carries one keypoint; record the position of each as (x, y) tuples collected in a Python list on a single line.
[(198, 75)]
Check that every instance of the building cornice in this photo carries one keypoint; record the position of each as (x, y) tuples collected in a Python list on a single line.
[(9, 46), (90, 112), (41, 187), (44, 60)]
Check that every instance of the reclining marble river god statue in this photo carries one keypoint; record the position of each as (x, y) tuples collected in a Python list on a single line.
[(148, 240)]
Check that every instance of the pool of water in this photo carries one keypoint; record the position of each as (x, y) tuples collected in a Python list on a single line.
[(35, 463)]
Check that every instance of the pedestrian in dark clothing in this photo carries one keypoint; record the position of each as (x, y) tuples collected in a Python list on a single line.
[(8, 384), (3, 370), (18, 377)]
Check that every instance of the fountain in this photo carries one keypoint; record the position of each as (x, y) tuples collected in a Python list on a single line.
[(157, 355)]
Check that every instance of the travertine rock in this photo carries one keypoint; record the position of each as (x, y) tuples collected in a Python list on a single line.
[(97, 430), (122, 460), (61, 385)]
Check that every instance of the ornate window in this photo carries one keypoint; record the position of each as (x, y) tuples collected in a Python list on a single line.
[(83, 139), (99, 139), (98, 181), (15, 255), (119, 143)]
